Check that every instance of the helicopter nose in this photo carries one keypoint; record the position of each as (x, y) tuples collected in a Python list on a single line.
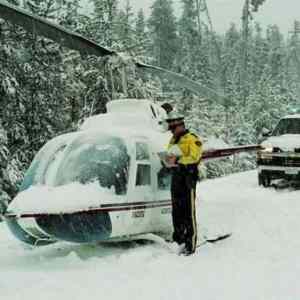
[(83, 227)]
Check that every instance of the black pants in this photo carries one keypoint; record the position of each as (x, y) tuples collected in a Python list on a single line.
[(183, 191)]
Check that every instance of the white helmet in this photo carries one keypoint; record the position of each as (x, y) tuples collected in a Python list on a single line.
[(174, 116)]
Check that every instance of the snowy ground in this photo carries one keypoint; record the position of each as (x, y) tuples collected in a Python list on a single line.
[(260, 260)]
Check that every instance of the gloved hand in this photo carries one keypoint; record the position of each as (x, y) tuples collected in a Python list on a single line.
[(172, 160)]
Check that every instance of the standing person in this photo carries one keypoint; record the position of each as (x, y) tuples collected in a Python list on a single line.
[(185, 150)]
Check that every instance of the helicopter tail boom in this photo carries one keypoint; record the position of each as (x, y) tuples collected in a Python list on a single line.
[(221, 153)]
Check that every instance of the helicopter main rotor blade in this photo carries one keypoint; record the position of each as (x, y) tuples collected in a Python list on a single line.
[(181, 81), (59, 34), (71, 40)]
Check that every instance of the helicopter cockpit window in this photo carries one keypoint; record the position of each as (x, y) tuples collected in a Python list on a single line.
[(142, 151), (53, 164), (44, 163), (105, 160)]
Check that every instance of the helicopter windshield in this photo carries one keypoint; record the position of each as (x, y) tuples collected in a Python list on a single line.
[(103, 159), (44, 162)]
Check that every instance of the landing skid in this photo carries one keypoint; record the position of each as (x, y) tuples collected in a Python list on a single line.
[(173, 248)]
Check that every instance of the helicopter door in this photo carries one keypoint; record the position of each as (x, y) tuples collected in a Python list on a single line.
[(162, 218), (142, 193)]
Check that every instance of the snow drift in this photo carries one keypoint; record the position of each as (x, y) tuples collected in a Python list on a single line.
[(260, 260)]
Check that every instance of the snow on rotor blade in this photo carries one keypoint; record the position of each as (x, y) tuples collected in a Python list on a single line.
[(181, 80), (45, 28)]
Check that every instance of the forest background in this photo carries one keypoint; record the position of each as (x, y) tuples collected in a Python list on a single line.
[(46, 89)]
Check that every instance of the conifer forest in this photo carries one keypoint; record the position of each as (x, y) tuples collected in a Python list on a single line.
[(46, 89)]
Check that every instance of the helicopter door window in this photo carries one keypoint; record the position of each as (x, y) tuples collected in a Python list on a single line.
[(142, 151), (143, 175)]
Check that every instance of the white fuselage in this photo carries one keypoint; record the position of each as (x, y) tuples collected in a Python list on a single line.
[(146, 205)]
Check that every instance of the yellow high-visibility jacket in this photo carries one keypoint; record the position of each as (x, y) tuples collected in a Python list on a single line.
[(190, 146)]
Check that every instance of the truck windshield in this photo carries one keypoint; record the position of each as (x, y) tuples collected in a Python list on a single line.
[(287, 126), (103, 159)]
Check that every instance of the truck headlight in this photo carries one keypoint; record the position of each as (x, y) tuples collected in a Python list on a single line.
[(265, 153), (267, 150), (267, 147)]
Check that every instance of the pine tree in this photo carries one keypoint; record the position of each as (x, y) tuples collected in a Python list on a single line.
[(104, 22), (230, 63), (256, 3), (194, 56), (162, 28), (125, 29), (143, 42)]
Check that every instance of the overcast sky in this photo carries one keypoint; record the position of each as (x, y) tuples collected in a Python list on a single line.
[(280, 12)]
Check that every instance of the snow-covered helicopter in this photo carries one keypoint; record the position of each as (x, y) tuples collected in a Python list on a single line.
[(121, 191), (97, 185)]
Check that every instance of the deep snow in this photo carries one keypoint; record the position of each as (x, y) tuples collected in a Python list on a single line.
[(260, 260)]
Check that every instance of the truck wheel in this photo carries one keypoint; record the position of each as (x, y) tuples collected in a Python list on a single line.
[(259, 179), (264, 180)]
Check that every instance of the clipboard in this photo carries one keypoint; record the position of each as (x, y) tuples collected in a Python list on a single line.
[(163, 157)]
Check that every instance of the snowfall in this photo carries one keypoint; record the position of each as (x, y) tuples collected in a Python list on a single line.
[(259, 261)]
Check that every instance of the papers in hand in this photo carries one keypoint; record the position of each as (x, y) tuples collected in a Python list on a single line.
[(164, 158)]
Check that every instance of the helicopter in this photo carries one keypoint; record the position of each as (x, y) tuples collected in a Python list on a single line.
[(112, 155), (134, 198), (122, 159)]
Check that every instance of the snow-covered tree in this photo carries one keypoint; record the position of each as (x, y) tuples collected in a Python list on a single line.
[(162, 28), (142, 37)]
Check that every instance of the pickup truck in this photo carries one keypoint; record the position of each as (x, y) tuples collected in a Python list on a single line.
[(279, 157)]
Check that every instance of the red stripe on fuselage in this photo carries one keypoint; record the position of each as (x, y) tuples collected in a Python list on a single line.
[(103, 208)]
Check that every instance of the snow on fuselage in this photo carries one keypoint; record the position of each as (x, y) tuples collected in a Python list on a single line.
[(101, 183)]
